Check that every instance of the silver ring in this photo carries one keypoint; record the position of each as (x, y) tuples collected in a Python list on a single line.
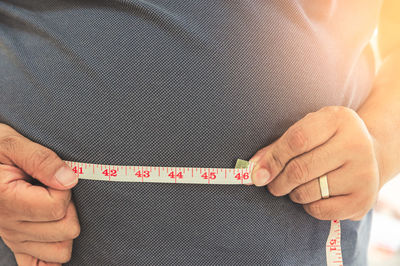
[(323, 185)]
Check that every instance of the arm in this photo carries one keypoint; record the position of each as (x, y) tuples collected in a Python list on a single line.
[(381, 110)]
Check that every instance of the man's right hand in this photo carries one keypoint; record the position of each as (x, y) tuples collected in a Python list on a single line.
[(38, 223)]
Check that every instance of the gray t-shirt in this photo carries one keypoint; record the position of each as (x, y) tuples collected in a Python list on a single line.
[(183, 83)]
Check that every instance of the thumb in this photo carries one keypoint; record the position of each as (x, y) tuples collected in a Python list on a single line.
[(36, 160)]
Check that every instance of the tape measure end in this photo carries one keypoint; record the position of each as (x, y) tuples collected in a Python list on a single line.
[(241, 164)]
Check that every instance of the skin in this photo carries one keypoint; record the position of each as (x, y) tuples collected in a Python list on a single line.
[(38, 223), (358, 151), (343, 148)]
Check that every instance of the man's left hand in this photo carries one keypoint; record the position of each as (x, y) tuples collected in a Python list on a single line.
[(333, 141)]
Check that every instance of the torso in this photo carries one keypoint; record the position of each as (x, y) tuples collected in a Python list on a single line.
[(183, 83)]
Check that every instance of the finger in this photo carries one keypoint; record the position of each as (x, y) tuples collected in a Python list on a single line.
[(27, 202), (308, 166), (54, 252), (339, 184), (66, 229), (37, 161), (36, 204), (306, 134), (256, 157), (335, 208), (27, 260), (261, 152), (10, 173), (44, 263)]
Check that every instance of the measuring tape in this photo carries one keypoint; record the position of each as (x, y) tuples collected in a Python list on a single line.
[(333, 248), (240, 175)]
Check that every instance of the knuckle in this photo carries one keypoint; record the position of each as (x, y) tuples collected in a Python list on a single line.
[(297, 140), (300, 195), (327, 108), (333, 113), (309, 115), (9, 143), (297, 171), (277, 160), (43, 157), (344, 112), (334, 109), (348, 112)]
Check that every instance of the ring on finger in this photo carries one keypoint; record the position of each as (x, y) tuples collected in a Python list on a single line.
[(323, 185)]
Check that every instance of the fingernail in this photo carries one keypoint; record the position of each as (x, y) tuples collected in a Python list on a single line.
[(262, 175), (65, 176)]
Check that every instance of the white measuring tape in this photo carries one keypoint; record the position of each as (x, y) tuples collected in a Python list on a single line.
[(333, 248), (239, 175), (152, 174)]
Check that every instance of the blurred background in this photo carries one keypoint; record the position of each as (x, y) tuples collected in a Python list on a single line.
[(384, 246)]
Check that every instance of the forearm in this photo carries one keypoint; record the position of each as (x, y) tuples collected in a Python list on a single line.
[(381, 114)]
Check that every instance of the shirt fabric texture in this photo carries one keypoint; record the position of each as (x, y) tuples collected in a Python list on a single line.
[(183, 83)]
